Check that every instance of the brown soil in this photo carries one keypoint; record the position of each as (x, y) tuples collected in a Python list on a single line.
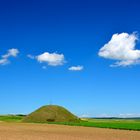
[(24, 131)]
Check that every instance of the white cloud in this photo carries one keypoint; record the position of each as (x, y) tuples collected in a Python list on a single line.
[(30, 56), (128, 115), (121, 47), (85, 116), (76, 68), (52, 59), (122, 115), (11, 53), (4, 61)]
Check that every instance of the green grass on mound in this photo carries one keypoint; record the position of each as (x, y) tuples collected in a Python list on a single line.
[(51, 113)]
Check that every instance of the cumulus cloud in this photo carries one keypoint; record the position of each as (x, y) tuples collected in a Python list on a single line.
[(10, 53), (52, 59), (76, 68), (121, 47)]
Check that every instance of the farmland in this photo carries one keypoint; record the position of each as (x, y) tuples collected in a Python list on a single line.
[(109, 123), (38, 131), (126, 124), (12, 128)]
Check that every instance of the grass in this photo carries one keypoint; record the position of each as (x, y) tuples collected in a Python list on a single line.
[(108, 123), (11, 118), (51, 113), (125, 124)]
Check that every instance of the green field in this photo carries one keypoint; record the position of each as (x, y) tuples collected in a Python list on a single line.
[(108, 123), (11, 118), (127, 124)]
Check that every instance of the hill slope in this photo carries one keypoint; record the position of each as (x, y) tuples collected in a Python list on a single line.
[(51, 113)]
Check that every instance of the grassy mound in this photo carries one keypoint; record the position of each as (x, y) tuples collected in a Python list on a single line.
[(51, 113)]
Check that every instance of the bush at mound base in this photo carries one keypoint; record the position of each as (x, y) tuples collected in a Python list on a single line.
[(51, 113)]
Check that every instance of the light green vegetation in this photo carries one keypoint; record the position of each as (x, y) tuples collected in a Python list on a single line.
[(11, 118), (126, 124), (129, 124)]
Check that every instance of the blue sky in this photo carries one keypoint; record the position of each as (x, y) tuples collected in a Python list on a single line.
[(50, 54)]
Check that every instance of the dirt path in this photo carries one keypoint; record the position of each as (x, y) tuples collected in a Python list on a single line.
[(19, 131)]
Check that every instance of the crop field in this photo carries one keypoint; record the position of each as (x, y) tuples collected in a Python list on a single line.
[(12, 128), (37, 131), (126, 124)]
